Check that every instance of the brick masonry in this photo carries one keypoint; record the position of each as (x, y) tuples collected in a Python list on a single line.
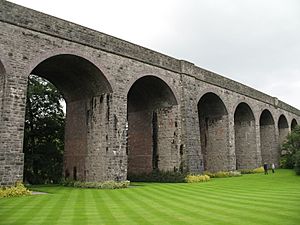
[(130, 109)]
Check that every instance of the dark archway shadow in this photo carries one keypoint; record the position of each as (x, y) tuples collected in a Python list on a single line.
[(245, 137), (214, 136), (268, 147), (152, 126)]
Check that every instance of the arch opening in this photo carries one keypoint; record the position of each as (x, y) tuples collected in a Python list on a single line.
[(268, 147), (294, 124), (83, 87), (152, 127), (283, 128), (214, 136), (245, 137)]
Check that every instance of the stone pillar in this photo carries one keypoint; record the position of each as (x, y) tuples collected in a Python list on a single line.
[(258, 145), (116, 158), (98, 113), (140, 142), (96, 139), (168, 139), (231, 144), (75, 148), (190, 146), (12, 124)]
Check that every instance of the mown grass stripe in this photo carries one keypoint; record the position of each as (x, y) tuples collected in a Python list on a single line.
[(55, 209), (149, 208), (25, 213), (9, 205), (101, 204), (174, 208), (131, 212), (233, 197), (91, 210), (269, 197), (225, 205), (248, 200), (79, 208), (194, 207)]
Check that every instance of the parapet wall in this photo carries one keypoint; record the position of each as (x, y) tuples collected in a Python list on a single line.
[(40, 22)]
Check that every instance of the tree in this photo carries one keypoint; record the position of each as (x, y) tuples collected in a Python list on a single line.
[(291, 150), (44, 132)]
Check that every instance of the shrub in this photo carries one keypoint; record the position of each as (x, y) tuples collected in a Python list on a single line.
[(210, 174), (259, 170), (235, 173), (290, 151), (223, 174), (251, 171), (246, 171), (196, 178), (287, 161), (159, 176), (18, 190), (297, 162), (97, 185)]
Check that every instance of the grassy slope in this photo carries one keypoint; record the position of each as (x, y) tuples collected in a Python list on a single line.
[(252, 199)]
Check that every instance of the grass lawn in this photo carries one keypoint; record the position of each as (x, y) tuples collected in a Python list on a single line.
[(272, 199)]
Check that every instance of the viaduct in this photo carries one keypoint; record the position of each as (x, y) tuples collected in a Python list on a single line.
[(130, 109)]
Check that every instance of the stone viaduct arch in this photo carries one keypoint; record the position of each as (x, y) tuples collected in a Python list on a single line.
[(293, 124), (151, 126), (213, 125), (283, 128), (245, 137), (86, 91), (268, 145), (165, 113)]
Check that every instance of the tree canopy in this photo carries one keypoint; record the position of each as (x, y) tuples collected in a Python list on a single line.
[(44, 132), (291, 151)]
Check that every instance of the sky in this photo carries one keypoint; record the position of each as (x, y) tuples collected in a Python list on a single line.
[(254, 42)]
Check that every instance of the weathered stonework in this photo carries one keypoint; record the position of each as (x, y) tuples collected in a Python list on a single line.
[(130, 109)]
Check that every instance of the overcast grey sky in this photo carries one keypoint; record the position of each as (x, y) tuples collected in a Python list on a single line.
[(255, 42)]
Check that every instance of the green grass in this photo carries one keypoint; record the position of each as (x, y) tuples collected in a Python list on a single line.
[(272, 199)]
